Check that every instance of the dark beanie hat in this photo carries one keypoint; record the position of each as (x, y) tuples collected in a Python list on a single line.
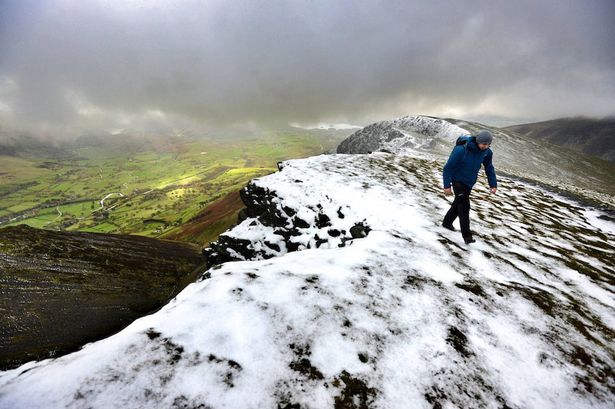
[(484, 137)]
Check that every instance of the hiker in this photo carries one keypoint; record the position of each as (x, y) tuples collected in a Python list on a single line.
[(461, 170)]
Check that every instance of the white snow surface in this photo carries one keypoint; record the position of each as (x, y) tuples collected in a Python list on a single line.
[(414, 134), (407, 317)]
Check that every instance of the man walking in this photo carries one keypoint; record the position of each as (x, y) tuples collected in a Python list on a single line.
[(461, 171)]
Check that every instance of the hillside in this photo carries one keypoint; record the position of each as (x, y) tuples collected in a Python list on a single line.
[(61, 290), (594, 137), (150, 185), (20, 144), (351, 296), (558, 168)]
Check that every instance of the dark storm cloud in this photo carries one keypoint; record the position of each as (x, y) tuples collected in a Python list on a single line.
[(103, 64)]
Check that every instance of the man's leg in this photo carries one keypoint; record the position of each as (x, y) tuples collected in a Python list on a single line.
[(462, 197), (452, 213)]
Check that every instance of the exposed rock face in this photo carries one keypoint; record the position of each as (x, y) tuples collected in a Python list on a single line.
[(61, 290), (289, 228)]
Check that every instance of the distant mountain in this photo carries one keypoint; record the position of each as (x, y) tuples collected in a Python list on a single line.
[(26, 145), (594, 137), (514, 154), (128, 142)]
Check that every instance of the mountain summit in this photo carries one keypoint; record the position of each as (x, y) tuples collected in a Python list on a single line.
[(339, 289)]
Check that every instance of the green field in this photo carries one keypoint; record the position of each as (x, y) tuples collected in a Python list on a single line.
[(149, 191)]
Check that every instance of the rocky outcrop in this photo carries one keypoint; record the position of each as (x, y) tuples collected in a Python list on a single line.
[(60, 290), (288, 228)]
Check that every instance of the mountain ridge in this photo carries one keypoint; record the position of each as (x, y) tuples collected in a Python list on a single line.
[(559, 168), (404, 316)]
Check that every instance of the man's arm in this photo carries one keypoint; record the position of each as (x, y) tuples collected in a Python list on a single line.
[(490, 171)]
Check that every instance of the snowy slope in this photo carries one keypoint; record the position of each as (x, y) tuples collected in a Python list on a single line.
[(406, 317), (514, 154), (405, 133)]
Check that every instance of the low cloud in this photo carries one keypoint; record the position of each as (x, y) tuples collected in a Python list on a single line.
[(71, 66)]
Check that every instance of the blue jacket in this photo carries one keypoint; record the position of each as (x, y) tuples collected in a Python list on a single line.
[(464, 163)]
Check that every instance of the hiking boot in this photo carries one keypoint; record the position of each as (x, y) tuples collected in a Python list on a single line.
[(469, 239), (448, 226)]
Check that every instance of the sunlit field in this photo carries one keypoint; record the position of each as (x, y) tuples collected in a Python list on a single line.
[(151, 192)]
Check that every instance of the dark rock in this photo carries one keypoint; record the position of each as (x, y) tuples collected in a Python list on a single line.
[(305, 367), (225, 248), (272, 246), (322, 221), (334, 233), (319, 241), (242, 215), (355, 392), (287, 234), (472, 287), (292, 246), (459, 341), (363, 141), (151, 334), (259, 204), (300, 223), (360, 230), (289, 211)]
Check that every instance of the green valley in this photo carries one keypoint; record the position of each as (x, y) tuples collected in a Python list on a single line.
[(184, 188)]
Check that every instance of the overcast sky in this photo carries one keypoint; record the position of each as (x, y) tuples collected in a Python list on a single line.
[(71, 66)]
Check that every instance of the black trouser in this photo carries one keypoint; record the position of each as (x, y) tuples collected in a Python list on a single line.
[(460, 207)]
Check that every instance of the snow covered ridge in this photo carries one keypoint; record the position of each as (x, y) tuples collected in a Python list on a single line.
[(397, 134), (517, 155), (406, 317)]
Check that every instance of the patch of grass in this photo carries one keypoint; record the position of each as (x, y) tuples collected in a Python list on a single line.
[(13, 169)]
